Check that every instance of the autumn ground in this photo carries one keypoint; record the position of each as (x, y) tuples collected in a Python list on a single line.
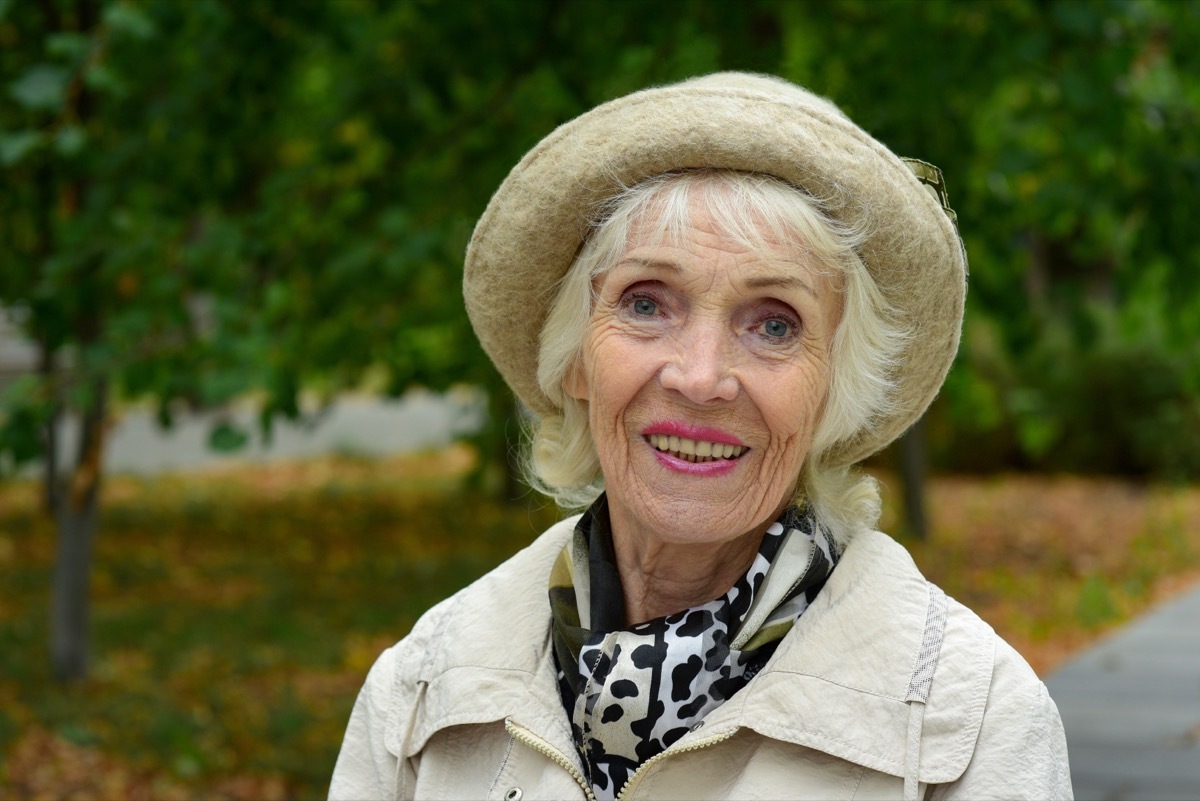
[(236, 613)]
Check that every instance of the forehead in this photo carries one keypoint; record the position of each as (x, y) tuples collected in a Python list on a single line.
[(698, 242)]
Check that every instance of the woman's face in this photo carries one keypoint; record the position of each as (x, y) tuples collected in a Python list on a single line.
[(705, 369)]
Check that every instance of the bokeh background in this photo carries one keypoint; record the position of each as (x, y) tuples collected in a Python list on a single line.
[(250, 213)]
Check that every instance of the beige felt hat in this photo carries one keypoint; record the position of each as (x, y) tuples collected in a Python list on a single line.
[(536, 222)]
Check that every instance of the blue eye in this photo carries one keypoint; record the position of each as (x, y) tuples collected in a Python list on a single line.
[(644, 307), (777, 329)]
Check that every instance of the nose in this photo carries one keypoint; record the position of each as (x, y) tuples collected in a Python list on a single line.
[(701, 368)]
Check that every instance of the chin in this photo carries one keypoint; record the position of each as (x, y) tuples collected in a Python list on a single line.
[(684, 518)]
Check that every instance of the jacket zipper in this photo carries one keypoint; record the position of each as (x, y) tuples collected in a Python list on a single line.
[(545, 749), (636, 777), (550, 752)]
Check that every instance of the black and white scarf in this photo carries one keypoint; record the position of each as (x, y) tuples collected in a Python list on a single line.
[(631, 692)]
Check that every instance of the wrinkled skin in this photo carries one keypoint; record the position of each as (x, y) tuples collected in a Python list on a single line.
[(702, 332)]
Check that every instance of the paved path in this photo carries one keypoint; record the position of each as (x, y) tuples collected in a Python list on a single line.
[(1131, 709)]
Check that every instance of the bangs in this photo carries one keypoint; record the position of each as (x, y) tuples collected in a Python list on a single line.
[(760, 213)]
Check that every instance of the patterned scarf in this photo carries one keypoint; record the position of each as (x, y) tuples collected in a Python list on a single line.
[(631, 692)]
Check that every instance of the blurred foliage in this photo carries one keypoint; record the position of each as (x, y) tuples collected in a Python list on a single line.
[(238, 612), (212, 197), (1125, 402)]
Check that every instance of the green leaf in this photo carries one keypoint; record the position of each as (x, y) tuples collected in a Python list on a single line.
[(70, 140), (102, 79), (17, 145), (227, 437), (72, 46), (127, 19), (43, 87), (5, 5), (21, 433)]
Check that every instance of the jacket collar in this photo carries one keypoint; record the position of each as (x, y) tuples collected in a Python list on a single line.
[(836, 683), (491, 657), (856, 649)]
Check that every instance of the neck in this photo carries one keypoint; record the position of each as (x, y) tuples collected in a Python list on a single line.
[(661, 578)]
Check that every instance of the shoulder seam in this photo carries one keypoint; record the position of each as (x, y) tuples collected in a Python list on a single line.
[(425, 673)]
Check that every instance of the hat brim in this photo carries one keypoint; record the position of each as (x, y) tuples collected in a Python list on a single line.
[(536, 222)]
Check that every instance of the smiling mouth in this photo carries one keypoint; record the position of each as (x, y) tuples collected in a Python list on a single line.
[(694, 450)]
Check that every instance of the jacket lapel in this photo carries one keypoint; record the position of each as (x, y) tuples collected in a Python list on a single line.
[(838, 681)]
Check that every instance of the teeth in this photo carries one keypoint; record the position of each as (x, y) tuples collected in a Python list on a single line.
[(692, 450)]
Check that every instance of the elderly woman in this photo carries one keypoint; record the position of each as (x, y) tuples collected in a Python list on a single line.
[(716, 297)]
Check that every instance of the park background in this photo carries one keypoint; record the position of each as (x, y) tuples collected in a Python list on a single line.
[(209, 205)]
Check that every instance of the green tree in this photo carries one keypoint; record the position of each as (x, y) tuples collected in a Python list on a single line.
[(207, 198), (129, 133)]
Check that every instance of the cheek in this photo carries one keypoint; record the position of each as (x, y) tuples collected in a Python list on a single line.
[(610, 393), (587, 374), (618, 368), (792, 407)]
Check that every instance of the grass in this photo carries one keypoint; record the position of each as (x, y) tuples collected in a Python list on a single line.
[(235, 613)]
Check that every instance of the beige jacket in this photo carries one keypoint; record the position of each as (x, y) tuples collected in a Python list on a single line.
[(467, 705)]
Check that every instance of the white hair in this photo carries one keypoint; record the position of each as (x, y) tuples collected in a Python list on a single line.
[(758, 212)]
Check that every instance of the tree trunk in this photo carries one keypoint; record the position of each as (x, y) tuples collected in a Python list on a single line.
[(76, 503), (913, 467), (46, 201), (51, 481), (499, 473), (77, 516)]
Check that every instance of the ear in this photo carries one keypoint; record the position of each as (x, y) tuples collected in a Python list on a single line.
[(575, 383)]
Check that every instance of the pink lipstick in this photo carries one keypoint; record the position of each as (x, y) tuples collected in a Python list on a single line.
[(695, 450)]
